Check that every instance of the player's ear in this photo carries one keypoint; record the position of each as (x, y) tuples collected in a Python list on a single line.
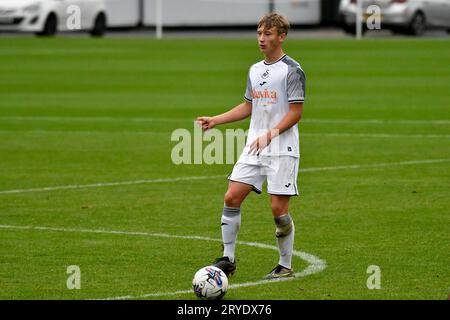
[(282, 36)]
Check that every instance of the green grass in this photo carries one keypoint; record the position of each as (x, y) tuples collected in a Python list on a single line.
[(69, 115)]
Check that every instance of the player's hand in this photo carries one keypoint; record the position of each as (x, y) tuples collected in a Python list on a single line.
[(206, 122), (260, 143)]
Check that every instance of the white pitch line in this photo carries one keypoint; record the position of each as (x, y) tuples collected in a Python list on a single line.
[(109, 184), (303, 134), (54, 51), (95, 119), (178, 119), (375, 135), (316, 264), (378, 121), (148, 181), (83, 132), (375, 165)]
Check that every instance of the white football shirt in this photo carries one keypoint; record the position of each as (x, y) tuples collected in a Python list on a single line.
[(270, 89)]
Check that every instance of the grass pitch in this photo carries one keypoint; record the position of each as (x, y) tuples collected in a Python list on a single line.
[(375, 141)]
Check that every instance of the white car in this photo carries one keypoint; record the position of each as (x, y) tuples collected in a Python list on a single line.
[(46, 17), (405, 16)]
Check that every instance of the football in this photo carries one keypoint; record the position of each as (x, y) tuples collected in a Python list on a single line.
[(210, 283)]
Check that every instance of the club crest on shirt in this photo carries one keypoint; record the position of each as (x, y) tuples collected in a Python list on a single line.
[(265, 75)]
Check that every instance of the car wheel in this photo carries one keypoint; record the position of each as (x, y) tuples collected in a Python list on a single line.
[(399, 30), (50, 26), (351, 29), (99, 28), (418, 24)]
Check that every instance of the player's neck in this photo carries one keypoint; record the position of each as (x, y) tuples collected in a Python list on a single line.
[(275, 56)]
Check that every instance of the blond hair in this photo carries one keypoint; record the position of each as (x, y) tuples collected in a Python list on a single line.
[(271, 20)]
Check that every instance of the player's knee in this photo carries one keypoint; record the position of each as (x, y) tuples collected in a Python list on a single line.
[(231, 199), (278, 209)]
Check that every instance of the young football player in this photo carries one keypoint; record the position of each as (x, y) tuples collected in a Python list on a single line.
[(274, 100)]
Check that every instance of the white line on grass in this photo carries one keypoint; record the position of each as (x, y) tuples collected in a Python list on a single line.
[(303, 134), (148, 181), (379, 121), (186, 119), (83, 132), (375, 135), (56, 51), (316, 264), (109, 184), (95, 119), (375, 165)]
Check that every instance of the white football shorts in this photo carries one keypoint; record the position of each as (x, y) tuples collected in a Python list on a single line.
[(280, 171)]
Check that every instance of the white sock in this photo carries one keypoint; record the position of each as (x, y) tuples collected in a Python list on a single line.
[(285, 239), (231, 222)]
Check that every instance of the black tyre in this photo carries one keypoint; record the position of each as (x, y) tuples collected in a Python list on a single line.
[(50, 26), (399, 30), (351, 29), (418, 24), (99, 28)]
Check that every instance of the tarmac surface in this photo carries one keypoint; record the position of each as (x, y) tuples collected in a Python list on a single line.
[(296, 33)]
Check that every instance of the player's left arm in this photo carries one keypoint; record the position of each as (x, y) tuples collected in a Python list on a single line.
[(289, 120)]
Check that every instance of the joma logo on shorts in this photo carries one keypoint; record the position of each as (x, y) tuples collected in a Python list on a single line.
[(260, 94)]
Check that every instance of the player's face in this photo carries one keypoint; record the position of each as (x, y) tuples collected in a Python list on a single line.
[(269, 40)]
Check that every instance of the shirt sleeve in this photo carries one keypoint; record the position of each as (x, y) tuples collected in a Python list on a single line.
[(296, 85), (248, 90)]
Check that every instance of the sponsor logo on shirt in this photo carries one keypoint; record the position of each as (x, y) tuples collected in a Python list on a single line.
[(264, 94)]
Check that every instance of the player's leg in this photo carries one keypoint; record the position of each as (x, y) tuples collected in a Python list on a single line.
[(285, 229), (244, 178), (231, 222), (231, 216), (236, 193), (281, 187)]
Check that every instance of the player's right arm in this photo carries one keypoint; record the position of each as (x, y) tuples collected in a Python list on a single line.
[(240, 112)]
